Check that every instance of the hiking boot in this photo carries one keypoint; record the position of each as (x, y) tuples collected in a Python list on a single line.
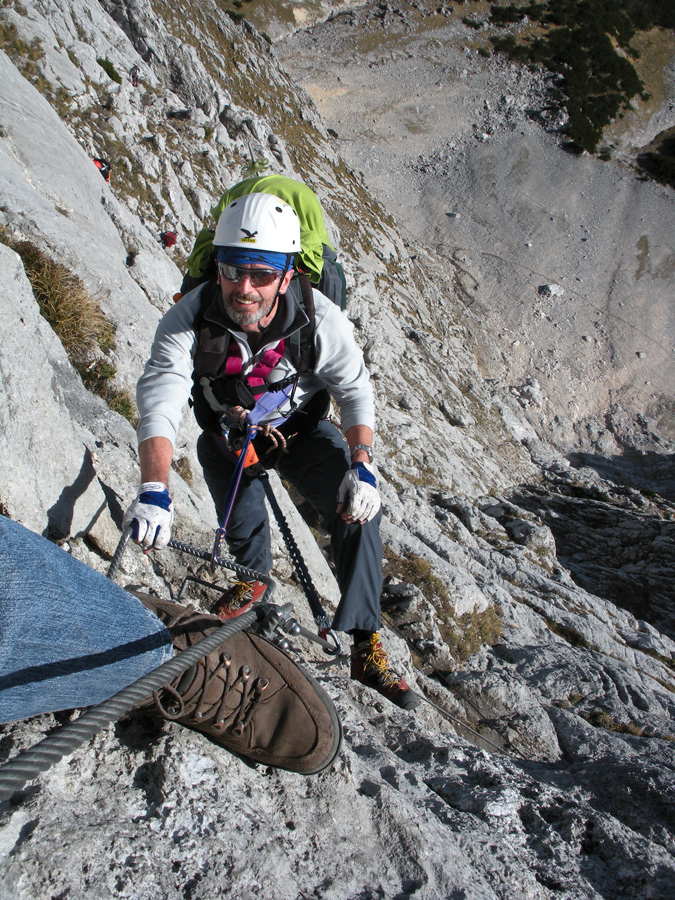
[(247, 696), (237, 599), (370, 666)]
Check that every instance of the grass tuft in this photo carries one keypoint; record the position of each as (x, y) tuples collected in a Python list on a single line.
[(412, 568), (184, 469), (464, 636), (109, 69), (467, 634), (599, 718), (569, 634), (65, 303), (77, 320)]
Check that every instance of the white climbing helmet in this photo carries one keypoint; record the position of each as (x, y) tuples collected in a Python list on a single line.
[(259, 222)]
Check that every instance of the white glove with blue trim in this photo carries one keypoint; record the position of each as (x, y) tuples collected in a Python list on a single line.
[(358, 496), (151, 516)]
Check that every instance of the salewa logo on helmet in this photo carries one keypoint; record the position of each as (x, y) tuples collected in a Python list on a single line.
[(250, 236)]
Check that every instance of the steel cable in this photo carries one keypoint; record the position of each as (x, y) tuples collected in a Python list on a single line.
[(241, 571)]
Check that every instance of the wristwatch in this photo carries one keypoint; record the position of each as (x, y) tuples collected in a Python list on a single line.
[(366, 449)]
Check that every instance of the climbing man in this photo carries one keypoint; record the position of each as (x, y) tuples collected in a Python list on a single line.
[(167, 238), (233, 343), (103, 166)]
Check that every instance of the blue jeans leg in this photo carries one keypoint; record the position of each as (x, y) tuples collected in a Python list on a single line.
[(69, 637), (248, 529), (315, 466)]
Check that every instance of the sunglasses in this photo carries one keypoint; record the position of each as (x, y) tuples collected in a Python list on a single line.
[(257, 277)]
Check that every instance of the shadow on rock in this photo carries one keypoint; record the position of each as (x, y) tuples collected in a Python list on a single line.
[(649, 473), (616, 543)]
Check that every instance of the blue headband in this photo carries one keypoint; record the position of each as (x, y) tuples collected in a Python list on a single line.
[(233, 256)]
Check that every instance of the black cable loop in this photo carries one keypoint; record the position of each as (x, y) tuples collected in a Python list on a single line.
[(297, 559)]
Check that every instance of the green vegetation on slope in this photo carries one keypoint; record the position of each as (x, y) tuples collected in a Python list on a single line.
[(109, 69), (239, 59), (586, 43), (658, 159), (463, 635)]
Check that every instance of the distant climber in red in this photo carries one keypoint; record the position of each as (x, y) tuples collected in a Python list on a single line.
[(167, 239), (103, 166)]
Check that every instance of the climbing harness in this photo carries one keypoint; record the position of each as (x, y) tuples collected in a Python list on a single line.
[(247, 457)]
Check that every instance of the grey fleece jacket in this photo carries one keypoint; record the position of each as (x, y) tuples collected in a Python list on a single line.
[(164, 387)]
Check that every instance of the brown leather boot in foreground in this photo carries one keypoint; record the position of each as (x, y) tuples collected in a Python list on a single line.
[(248, 696), (370, 666)]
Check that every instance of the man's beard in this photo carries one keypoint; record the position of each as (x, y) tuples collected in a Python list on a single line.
[(242, 317)]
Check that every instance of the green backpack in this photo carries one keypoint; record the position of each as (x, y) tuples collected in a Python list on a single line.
[(317, 259)]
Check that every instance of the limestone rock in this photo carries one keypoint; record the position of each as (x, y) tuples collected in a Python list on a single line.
[(539, 623), (551, 290)]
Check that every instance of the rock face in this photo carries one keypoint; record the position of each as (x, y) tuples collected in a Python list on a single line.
[(528, 598)]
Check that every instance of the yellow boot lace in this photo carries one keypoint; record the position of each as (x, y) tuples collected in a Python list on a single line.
[(237, 595), (377, 658)]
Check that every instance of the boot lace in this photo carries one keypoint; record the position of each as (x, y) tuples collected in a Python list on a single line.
[(169, 701), (238, 594), (376, 662)]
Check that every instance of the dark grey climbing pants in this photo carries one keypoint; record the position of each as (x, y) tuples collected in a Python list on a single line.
[(315, 466)]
